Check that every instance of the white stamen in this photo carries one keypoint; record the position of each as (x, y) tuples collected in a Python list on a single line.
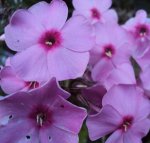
[(143, 34), (49, 43), (109, 54)]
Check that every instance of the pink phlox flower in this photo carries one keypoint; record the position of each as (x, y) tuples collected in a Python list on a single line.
[(139, 28), (95, 10), (44, 40), (11, 83), (124, 114), (110, 57), (41, 115)]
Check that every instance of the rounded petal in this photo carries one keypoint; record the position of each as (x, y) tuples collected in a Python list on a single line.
[(128, 100), (53, 15), (31, 64), (110, 16), (77, 34), (116, 137), (122, 55), (130, 137), (19, 132), (103, 123), (53, 87), (141, 15), (139, 18), (10, 82), (105, 35), (144, 76), (69, 65), (22, 32), (54, 134), (122, 74), (82, 6), (140, 129), (130, 25), (15, 105), (71, 116), (103, 5), (144, 60), (102, 70)]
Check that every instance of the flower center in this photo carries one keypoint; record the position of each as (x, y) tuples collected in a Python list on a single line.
[(32, 84), (50, 39), (95, 13), (41, 116), (127, 123), (143, 31), (108, 51)]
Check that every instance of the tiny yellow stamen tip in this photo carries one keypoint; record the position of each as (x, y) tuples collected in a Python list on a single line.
[(125, 127)]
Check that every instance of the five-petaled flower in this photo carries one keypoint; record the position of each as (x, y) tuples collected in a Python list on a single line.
[(41, 115)]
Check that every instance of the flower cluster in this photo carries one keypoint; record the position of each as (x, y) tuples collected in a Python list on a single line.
[(50, 48)]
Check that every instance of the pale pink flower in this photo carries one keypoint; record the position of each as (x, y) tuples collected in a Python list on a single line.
[(47, 45)]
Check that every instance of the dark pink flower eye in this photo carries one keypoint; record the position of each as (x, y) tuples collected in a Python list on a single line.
[(32, 84), (127, 123), (51, 39), (95, 13), (41, 116), (108, 51), (142, 30)]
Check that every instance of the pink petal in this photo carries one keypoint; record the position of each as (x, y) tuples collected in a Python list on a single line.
[(139, 18), (130, 137), (102, 70), (110, 16), (122, 54), (130, 24), (69, 65), (103, 5), (54, 134), (105, 35), (116, 137), (71, 116), (31, 64), (126, 99), (10, 82), (140, 128), (122, 74), (19, 110), (82, 6), (144, 60), (53, 15), (22, 32), (77, 34), (18, 133), (144, 76), (105, 122), (141, 15), (52, 87)]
